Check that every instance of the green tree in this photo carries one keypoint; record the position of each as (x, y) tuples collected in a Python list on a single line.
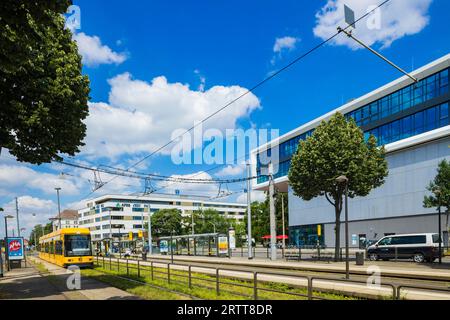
[(166, 221), (336, 148), (206, 221), (261, 217), (38, 230), (441, 182), (43, 93)]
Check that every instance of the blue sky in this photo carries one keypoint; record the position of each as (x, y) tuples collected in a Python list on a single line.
[(150, 61)]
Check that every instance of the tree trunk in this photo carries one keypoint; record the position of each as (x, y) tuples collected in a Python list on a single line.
[(337, 246)]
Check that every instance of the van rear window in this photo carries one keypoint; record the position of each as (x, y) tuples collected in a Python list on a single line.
[(435, 238)]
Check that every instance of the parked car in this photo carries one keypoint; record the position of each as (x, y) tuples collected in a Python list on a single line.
[(420, 247)]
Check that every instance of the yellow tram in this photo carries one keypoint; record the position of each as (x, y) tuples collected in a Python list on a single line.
[(65, 247)]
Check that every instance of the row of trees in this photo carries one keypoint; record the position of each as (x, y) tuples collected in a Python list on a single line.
[(38, 231), (170, 221)]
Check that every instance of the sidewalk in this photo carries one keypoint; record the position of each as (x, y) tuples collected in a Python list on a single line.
[(29, 283), (404, 269)]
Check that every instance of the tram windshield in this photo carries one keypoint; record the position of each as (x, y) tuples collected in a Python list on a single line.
[(77, 245)]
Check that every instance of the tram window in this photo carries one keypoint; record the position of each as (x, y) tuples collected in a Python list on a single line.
[(58, 247), (52, 247), (77, 245)]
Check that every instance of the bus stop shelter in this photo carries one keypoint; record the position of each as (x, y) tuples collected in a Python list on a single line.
[(207, 244)]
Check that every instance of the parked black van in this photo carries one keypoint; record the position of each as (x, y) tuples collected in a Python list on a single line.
[(419, 247)]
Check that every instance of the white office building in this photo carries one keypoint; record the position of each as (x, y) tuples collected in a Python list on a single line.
[(120, 215)]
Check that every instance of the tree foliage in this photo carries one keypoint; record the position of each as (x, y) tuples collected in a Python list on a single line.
[(441, 182), (336, 148), (43, 93), (38, 231), (166, 222), (205, 221), (261, 217)]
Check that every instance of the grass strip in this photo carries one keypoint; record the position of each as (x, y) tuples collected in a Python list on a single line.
[(204, 285)]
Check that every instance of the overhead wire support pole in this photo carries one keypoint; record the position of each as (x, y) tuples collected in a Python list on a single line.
[(350, 35), (249, 214), (273, 232)]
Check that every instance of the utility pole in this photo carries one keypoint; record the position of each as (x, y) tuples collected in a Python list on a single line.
[(142, 228), (17, 217), (110, 233), (282, 218), (192, 217), (150, 249), (273, 233), (59, 207), (249, 213)]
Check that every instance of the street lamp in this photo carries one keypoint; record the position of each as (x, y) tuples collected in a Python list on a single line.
[(214, 226), (6, 240), (171, 246), (59, 207), (344, 180), (1, 257), (437, 192)]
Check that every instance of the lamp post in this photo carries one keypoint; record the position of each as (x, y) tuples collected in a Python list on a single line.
[(6, 241), (437, 192), (171, 246), (150, 248), (1, 256), (214, 226), (120, 242), (59, 207), (343, 179)]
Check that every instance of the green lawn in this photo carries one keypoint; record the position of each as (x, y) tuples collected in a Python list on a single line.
[(203, 285)]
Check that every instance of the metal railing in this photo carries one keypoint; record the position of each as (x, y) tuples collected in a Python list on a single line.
[(256, 282)]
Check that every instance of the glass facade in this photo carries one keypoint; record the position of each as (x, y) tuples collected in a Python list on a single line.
[(420, 122), (401, 100), (391, 105), (306, 235)]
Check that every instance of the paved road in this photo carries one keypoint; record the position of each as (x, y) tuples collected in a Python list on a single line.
[(29, 283)]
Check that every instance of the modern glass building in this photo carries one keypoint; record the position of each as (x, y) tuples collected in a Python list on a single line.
[(412, 121)]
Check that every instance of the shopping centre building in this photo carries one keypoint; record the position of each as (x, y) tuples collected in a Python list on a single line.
[(412, 121)]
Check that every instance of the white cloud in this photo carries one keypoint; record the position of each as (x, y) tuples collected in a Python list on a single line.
[(231, 171), (28, 205), (259, 196), (207, 190), (398, 19), (282, 45), (142, 116), (20, 176), (285, 43), (94, 52)]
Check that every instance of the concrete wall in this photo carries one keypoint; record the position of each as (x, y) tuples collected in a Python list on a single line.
[(410, 171)]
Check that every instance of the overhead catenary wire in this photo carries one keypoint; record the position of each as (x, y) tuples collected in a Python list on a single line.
[(252, 89), (175, 179)]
